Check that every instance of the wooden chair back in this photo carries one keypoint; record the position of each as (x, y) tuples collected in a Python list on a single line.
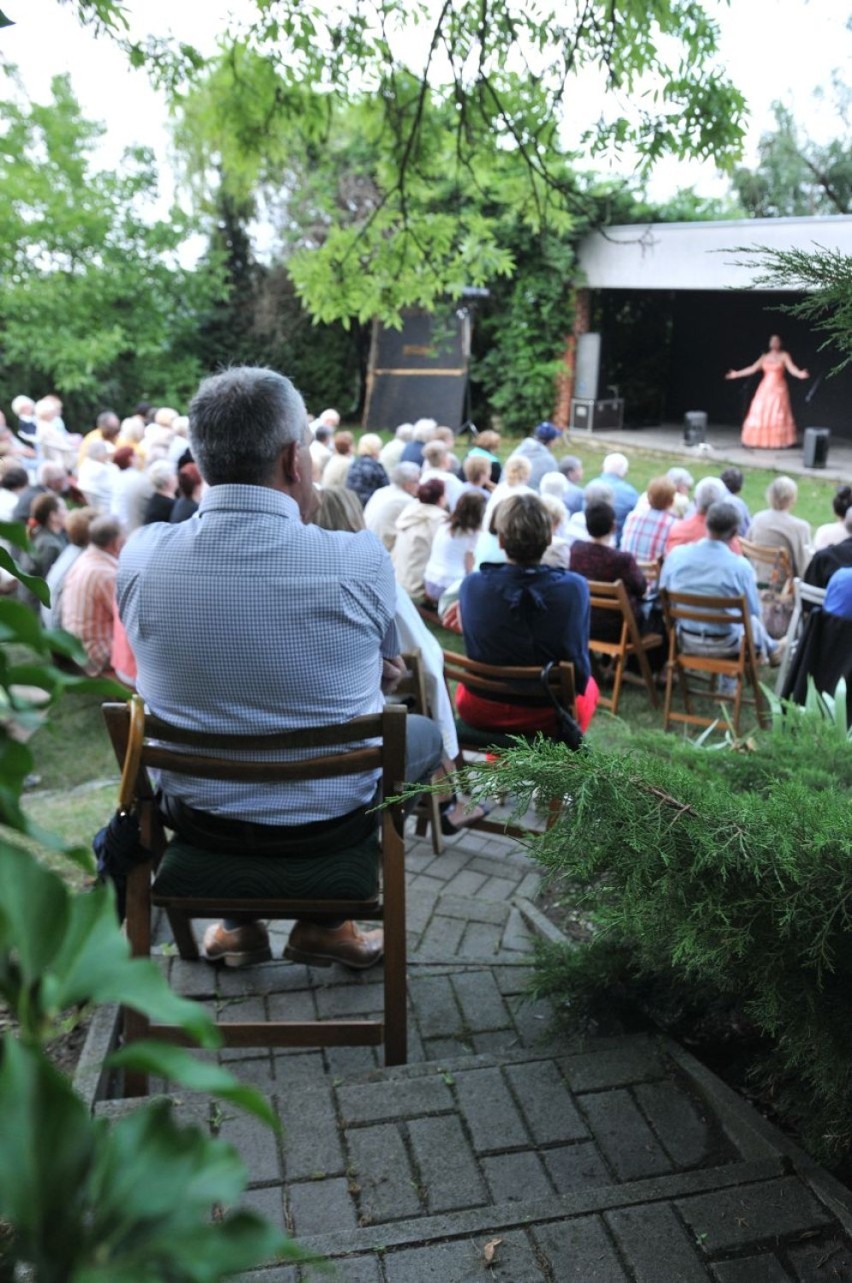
[(374, 743), (509, 683), (772, 564), (614, 599), (692, 612), (411, 690)]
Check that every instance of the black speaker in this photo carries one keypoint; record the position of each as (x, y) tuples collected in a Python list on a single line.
[(816, 447), (694, 427)]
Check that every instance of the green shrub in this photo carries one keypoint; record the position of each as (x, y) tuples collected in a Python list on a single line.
[(717, 878)]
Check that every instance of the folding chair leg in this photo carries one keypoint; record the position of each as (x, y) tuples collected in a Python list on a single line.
[(617, 678), (134, 1026), (184, 936), (648, 676)]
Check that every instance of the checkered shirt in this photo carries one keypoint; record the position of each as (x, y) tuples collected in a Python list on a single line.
[(645, 533), (245, 621)]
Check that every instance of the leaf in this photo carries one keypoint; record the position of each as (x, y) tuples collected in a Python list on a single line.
[(18, 623), (489, 1250), (180, 1066), (48, 1142), (14, 532), (35, 907)]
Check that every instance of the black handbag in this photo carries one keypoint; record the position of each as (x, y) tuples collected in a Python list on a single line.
[(568, 726), (118, 846)]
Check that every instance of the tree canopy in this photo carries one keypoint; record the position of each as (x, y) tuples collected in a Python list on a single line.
[(93, 297), (794, 175)]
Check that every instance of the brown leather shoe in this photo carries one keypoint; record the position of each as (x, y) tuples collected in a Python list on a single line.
[(242, 947), (318, 946)]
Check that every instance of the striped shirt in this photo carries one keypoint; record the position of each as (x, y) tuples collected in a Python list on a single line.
[(88, 605), (245, 621)]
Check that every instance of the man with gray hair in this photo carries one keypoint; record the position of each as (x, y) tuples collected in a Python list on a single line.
[(572, 468), (384, 505), (625, 496), (248, 620), (50, 476), (88, 595), (709, 490), (711, 568)]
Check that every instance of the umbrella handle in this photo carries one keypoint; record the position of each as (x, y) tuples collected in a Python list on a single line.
[(133, 754)]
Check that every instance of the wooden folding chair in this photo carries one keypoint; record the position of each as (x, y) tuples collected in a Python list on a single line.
[(374, 743), (651, 570), (614, 599), (694, 613), (772, 565), (517, 684), (411, 689)]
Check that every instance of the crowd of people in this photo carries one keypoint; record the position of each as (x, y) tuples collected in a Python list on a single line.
[(501, 550)]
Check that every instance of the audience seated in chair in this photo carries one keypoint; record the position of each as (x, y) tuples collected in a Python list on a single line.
[(288, 627), (833, 557), (522, 613), (776, 526), (709, 490), (646, 529), (598, 558), (711, 568), (416, 526)]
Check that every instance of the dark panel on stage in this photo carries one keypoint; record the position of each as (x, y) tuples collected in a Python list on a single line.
[(419, 371)]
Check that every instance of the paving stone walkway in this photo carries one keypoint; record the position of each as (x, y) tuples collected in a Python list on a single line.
[(503, 1151)]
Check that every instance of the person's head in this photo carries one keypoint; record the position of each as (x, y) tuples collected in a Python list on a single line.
[(331, 417), (782, 493), (189, 481), (477, 470), (733, 479), (661, 493), (466, 517), (523, 529), (488, 440), (124, 457), (598, 492), (48, 512), (133, 428), (424, 430), (775, 344), (547, 433), (23, 406), (435, 455), (709, 490), (105, 533), (97, 451), (615, 465), (343, 442), (53, 476), (109, 424), (323, 433), (432, 492), (723, 520), (369, 445), (14, 478), (447, 436), (572, 468), (249, 426), (517, 470), (143, 410), (682, 478), (339, 509), (553, 483), (180, 425), (406, 476), (556, 510), (45, 409), (165, 416), (77, 525), (600, 520), (163, 477), (405, 432), (842, 501)]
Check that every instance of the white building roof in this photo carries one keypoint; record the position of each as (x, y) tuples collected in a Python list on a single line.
[(699, 256)]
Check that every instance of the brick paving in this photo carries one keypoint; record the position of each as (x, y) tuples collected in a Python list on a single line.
[(611, 1160)]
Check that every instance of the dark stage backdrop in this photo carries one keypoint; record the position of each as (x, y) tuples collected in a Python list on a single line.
[(419, 371), (668, 352)]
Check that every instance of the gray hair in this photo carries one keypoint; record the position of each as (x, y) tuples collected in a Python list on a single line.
[(103, 531), (709, 490), (723, 520), (97, 450), (570, 464), (161, 472), (553, 483), (240, 421), (404, 432), (424, 429), (598, 492), (681, 477), (435, 453), (20, 401), (51, 472), (616, 463), (782, 493), (404, 473)]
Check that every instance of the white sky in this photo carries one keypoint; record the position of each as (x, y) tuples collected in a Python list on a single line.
[(772, 49)]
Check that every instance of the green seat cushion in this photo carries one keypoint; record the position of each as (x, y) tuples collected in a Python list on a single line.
[(477, 738), (191, 871)]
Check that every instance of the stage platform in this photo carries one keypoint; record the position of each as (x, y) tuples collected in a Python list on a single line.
[(722, 447)]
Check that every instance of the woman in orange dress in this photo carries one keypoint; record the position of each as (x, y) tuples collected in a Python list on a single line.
[(769, 424)]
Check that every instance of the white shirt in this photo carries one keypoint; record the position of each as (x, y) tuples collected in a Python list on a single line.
[(381, 511), (446, 561), (453, 488)]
